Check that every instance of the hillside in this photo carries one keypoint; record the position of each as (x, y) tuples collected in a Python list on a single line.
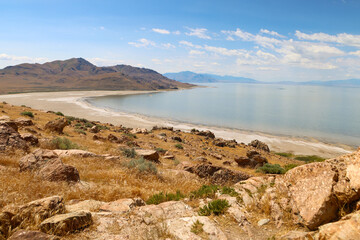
[(79, 74), (191, 77)]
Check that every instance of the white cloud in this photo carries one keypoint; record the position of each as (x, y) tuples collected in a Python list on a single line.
[(342, 38), (143, 42), (176, 32), (198, 32), (196, 52), (167, 45), (105, 62), (161, 31), (268, 69), (6, 57), (189, 44), (102, 28), (357, 53), (273, 33)]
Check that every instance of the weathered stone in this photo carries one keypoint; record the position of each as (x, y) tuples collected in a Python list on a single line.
[(112, 138), (86, 205), (169, 157), (176, 138), (219, 142), (11, 124), (94, 129), (31, 139), (201, 159), (36, 211), (263, 221), (216, 155), (298, 235), (56, 171), (32, 235), (10, 139), (23, 122), (348, 228), (150, 155), (259, 145), (57, 125), (66, 223), (75, 153), (122, 205), (37, 159), (206, 134), (139, 130)]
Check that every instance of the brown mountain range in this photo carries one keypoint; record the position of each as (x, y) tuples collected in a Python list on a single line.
[(79, 74)]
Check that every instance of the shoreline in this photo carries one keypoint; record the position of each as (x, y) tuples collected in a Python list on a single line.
[(74, 103)]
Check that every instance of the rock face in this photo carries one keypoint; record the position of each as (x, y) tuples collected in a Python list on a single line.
[(219, 142), (347, 228), (66, 223), (150, 155), (10, 139), (56, 126), (31, 139), (48, 165), (217, 175), (253, 160), (35, 212), (32, 235), (23, 122), (259, 145)]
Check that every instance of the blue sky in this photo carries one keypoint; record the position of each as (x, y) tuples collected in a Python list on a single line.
[(279, 40)]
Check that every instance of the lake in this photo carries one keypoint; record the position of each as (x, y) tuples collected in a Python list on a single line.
[(326, 113)]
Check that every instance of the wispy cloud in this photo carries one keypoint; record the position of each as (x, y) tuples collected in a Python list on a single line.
[(161, 31), (7, 57), (167, 45), (198, 32), (342, 38), (273, 33), (143, 42)]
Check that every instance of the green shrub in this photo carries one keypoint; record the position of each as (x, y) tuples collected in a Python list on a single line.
[(130, 135), (80, 131), (101, 127), (129, 153), (63, 143), (29, 114), (70, 118), (160, 150), (1, 106), (216, 207), (287, 167), (271, 168), (179, 146), (229, 191), (309, 159), (197, 227), (142, 165), (23, 105), (205, 191), (176, 162), (88, 125), (284, 154), (59, 113), (161, 197)]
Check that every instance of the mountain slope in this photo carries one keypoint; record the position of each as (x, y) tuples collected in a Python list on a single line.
[(79, 74), (192, 77)]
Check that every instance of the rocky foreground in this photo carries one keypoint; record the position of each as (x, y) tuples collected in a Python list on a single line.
[(68, 178)]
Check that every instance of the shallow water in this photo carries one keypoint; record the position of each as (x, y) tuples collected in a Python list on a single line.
[(326, 113)]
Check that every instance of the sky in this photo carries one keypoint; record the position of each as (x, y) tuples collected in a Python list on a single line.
[(278, 40)]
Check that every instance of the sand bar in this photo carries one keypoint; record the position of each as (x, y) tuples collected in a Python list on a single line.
[(73, 103)]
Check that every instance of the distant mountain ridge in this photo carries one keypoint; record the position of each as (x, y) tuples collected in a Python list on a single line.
[(79, 74), (191, 77)]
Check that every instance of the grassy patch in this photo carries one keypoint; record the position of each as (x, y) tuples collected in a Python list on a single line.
[(63, 143), (80, 131), (142, 165), (229, 191), (197, 227), (59, 114), (130, 135), (129, 153), (287, 167), (309, 159), (161, 197), (216, 207), (271, 168), (29, 114), (205, 191), (285, 154), (160, 150), (179, 146)]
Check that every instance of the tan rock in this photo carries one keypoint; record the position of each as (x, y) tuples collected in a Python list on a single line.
[(66, 223), (122, 205), (36, 211), (32, 235), (56, 125), (56, 171), (10, 139), (86, 205), (74, 153), (150, 155), (31, 139), (348, 228), (23, 122), (298, 235)]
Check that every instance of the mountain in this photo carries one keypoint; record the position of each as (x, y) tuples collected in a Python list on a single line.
[(192, 77), (79, 74)]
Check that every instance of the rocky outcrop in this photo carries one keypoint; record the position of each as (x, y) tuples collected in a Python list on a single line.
[(216, 174), (30, 139), (63, 224), (48, 165), (207, 133), (150, 155), (23, 122), (345, 229), (56, 126), (35, 212), (32, 235), (259, 145), (10, 139), (219, 142), (253, 160)]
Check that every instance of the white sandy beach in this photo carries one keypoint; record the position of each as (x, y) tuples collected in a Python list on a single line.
[(72, 104)]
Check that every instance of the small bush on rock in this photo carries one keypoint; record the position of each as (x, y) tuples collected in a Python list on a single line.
[(216, 207), (229, 191), (309, 159), (197, 227), (205, 191), (161, 197), (63, 143), (271, 168), (129, 153)]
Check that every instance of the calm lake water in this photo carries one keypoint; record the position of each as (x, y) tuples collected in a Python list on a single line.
[(327, 113)]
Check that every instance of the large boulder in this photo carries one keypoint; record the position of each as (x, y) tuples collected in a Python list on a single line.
[(63, 224), (260, 145), (35, 212), (56, 126), (23, 122), (10, 139), (31, 139), (253, 160), (32, 235), (150, 155), (48, 165)]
